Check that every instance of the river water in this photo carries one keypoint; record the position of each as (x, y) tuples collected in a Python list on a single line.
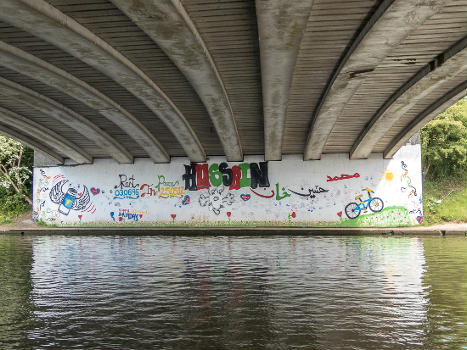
[(114, 292)]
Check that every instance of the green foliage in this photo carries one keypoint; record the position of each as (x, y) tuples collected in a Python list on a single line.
[(445, 200), (16, 163), (11, 205), (444, 143)]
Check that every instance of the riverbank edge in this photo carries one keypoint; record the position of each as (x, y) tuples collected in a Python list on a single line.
[(240, 231), (26, 226)]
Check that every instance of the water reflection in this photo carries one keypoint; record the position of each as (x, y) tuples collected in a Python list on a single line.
[(446, 282), (15, 288), (233, 292)]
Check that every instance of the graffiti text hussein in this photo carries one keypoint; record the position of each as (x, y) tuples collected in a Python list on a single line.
[(201, 176)]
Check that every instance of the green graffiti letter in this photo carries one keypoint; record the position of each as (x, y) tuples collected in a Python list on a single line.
[(245, 181), (215, 176)]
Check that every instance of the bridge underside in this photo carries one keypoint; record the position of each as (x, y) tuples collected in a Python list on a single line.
[(85, 79)]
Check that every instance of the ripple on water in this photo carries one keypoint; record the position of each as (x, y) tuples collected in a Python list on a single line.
[(233, 292)]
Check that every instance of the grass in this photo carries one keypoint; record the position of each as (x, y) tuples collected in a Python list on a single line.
[(388, 217), (445, 201), (11, 207)]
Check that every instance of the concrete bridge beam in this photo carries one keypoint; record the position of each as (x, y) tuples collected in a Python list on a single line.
[(391, 23), (424, 117), (177, 36), (280, 25), (445, 67), (46, 22), (66, 116), (27, 64), (48, 137), (32, 143)]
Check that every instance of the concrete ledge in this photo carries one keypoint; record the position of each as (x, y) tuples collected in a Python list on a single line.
[(240, 231)]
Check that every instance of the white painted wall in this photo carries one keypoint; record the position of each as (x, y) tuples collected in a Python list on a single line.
[(334, 181)]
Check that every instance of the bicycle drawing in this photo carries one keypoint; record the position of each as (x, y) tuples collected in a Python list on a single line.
[(375, 204)]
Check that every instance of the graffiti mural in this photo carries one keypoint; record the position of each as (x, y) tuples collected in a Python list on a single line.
[(69, 196), (375, 204), (333, 191), (216, 199)]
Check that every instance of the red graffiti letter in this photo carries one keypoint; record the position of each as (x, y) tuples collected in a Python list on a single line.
[(236, 176), (202, 176)]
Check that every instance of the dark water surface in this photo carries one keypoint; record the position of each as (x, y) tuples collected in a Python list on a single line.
[(112, 292)]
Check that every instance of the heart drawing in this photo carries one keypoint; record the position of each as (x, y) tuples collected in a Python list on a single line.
[(339, 214), (173, 216), (80, 217), (229, 213), (419, 219), (186, 200), (95, 191), (245, 196)]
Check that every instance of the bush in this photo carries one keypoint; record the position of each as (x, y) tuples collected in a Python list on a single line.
[(444, 143), (16, 163)]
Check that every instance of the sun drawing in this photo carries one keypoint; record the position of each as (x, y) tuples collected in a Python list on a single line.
[(388, 176)]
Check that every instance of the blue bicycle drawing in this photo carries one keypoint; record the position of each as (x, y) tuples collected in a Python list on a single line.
[(353, 209)]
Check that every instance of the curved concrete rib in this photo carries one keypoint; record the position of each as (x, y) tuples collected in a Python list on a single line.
[(27, 64), (66, 116), (45, 21), (55, 157), (448, 65), (391, 23), (48, 137), (168, 24), (424, 117), (281, 24)]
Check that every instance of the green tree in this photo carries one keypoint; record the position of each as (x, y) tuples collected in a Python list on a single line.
[(444, 143), (15, 169)]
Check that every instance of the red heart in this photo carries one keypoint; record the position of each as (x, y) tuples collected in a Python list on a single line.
[(245, 197), (140, 216), (95, 191), (419, 219), (229, 213), (120, 218), (294, 215), (80, 216), (173, 216), (340, 214)]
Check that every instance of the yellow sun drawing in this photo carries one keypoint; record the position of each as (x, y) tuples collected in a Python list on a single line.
[(388, 176)]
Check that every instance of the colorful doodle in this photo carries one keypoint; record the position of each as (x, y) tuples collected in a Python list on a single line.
[(264, 195), (404, 176), (353, 209), (245, 197), (216, 198), (186, 200), (69, 196), (169, 189), (148, 190), (95, 191), (125, 215), (127, 188), (284, 194), (128, 215)]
